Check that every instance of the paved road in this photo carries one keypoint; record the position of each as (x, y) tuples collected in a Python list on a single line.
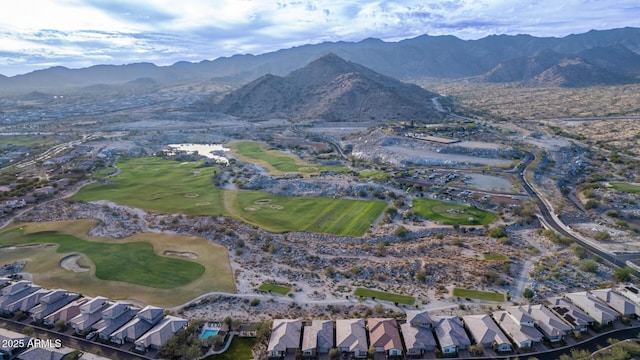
[(552, 221)]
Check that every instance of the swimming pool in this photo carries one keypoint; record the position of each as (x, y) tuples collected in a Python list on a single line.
[(208, 333)]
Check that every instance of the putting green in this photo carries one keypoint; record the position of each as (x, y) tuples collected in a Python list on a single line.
[(452, 213)]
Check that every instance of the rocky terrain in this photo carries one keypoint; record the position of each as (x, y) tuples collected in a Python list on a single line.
[(331, 89)]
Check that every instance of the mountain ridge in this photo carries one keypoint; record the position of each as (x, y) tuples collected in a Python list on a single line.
[(328, 88), (423, 56)]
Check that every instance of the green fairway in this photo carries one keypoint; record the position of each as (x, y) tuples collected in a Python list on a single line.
[(161, 185), (386, 296), (322, 215), (276, 161), (240, 349), (133, 262), (495, 257), (452, 213), (477, 294), (158, 269), (167, 186), (103, 173), (626, 187), (273, 288)]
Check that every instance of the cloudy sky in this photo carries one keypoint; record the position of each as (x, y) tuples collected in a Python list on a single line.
[(36, 34)]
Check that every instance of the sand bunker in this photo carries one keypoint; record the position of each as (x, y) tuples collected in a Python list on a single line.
[(204, 203), (277, 207), (70, 262), (196, 173), (251, 208), (186, 254), (263, 201), (191, 195), (14, 247)]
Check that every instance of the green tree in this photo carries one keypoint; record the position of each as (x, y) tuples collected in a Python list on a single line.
[(498, 232), (528, 293), (622, 274), (589, 265)]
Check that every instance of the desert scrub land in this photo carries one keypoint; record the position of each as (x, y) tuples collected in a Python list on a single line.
[(510, 101), (156, 269)]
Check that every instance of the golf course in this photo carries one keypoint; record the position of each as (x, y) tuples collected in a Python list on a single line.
[(452, 213), (156, 184), (276, 161), (146, 267)]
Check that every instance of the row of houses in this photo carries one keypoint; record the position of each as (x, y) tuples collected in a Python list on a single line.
[(514, 327), (97, 317)]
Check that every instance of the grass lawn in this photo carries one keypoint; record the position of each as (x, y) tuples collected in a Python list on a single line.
[(132, 268), (477, 294), (626, 187), (240, 349), (495, 257), (103, 172), (452, 213), (381, 295), (320, 215), (276, 161), (162, 185), (23, 140), (273, 288)]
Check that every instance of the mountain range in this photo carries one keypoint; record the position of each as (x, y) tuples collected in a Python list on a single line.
[(328, 88), (592, 58)]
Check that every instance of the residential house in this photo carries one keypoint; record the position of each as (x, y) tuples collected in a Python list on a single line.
[(418, 339), (26, 303), (451, 335), (486, 332), (10, 343), (113, 318), (571, 314), (519, 327), (419, 318), (51, 302), (16, 291), (45, 353), (317, 338), (593, 306), (135, 328), (618, 302), (630, 292), (551, 326), (285, 337), (90, 313), (160, 333), (65, 313), (351, 337), (384, 336)]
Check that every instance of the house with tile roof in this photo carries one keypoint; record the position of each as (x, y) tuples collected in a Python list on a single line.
[(485, 331), (285, 337), (317, 338), (451, 334)]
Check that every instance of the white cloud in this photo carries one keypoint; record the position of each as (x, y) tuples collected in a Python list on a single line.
[(121, 31)]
